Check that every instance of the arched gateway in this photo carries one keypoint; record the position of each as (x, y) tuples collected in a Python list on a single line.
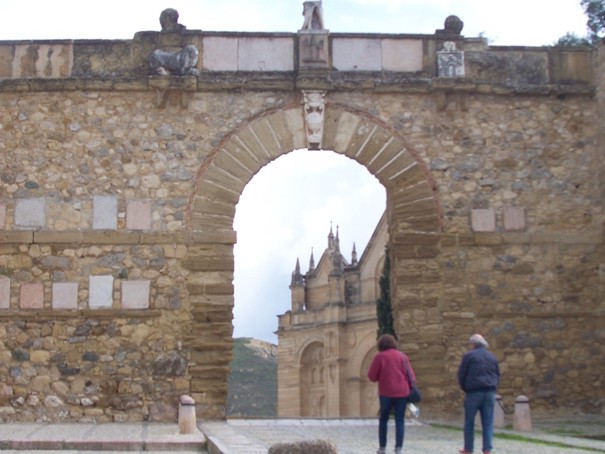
[(123, 162)]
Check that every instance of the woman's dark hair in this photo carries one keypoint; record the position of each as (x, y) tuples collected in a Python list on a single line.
[(385, 342)]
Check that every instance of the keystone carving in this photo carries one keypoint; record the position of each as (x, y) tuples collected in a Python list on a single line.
[(314, 117)]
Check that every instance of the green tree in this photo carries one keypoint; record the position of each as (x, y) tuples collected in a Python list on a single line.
[(595, 12), (384, 311), (572, 40)]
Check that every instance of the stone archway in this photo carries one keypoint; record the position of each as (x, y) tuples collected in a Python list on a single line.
[(313, 381), (412, 209), (410, 191)]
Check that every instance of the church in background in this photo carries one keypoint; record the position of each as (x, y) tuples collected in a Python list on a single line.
[(328, 339)]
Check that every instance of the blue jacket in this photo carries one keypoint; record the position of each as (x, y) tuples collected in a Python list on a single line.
[(479, 371)]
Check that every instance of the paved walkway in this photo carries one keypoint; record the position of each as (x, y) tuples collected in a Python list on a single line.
[(360, 437), (241, 436)]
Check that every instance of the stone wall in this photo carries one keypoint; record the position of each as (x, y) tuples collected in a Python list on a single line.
[(118, 190), (97, 265)]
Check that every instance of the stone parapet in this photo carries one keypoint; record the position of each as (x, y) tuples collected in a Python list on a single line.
[(378, 83), (384, 63)]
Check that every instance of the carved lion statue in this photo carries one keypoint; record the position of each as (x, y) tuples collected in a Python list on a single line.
[(181, 63)]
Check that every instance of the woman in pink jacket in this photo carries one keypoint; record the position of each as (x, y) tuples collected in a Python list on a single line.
[(390, 369)]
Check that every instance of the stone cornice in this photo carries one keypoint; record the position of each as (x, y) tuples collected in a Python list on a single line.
[(332, 81), (115, 237)]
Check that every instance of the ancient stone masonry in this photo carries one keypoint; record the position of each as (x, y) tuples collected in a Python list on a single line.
[(120, 174)]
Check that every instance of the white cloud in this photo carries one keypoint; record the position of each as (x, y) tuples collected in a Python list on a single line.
[(518, 22), (284, 212)]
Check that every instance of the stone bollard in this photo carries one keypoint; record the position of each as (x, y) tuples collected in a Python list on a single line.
[(522, 421), (499, 413), (187, 423)]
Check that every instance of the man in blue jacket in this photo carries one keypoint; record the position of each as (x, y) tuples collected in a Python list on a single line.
[(479, 376)]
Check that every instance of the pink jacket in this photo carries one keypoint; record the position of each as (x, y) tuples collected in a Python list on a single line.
[(388, 370)]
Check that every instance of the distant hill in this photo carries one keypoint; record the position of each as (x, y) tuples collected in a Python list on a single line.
[(252, 382)]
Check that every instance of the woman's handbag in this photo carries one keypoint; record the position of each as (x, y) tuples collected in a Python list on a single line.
[(415, 394)]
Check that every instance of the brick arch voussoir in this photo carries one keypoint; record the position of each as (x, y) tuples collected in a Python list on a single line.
[(232, 164), (394, 162)]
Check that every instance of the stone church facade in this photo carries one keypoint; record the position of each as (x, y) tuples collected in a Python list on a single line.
[(328, 338), (122, 163)]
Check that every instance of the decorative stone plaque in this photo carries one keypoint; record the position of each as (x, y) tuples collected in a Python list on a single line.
[(135, 294), (32, 296), (514, 218), (5, 292), (450, 62), (30, 213), (65, 295), (104, 212), (100, 291), (313, 45), (138, 215), (483, 220)]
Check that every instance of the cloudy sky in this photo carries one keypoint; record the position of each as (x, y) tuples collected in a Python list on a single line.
[(511, 22), (318, 188)]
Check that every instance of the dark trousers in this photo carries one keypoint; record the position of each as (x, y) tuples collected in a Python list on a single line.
[(484, 403), (386, 405)]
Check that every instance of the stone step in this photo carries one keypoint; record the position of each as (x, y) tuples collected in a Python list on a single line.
[(122, 437), (81, 451)]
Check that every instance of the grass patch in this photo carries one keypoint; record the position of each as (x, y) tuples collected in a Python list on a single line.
[(554, 444), (524, 439)]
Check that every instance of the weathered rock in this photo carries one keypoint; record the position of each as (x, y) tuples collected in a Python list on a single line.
[(304, 447), (171, 364)]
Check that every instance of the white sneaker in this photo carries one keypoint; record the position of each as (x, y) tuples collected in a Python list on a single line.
[(381, 451), (398, 450)]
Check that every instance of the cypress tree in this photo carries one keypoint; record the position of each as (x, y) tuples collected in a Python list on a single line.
[(384, 311)]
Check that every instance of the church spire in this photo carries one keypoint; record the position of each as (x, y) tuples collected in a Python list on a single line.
[(337, 241), (354, 256), (311, 263), (331, 239), (297, 277)]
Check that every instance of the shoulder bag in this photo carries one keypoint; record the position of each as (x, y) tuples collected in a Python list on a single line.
[(415, 394)]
